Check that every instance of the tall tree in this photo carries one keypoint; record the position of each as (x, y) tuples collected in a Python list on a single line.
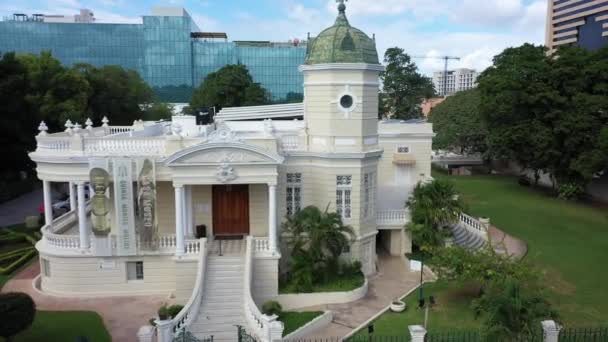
[(549, 113), (231, 86), (457, 122), (404, 86), (116, 93)]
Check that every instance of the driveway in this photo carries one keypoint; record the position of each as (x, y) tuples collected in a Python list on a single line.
[(15, 210), (122, 316)]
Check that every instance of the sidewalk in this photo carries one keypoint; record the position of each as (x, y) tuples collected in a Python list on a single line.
[(392, 281), (122, 316)]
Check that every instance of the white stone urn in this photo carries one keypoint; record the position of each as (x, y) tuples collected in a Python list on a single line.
[(398, 306)]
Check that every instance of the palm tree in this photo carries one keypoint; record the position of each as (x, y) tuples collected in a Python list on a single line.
[(432, 206), (322, 234)]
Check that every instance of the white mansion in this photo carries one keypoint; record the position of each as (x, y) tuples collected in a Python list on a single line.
[(194, 212)]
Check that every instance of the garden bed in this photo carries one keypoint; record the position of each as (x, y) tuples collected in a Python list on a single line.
[(65, 326), (295, 320), (334, 283)]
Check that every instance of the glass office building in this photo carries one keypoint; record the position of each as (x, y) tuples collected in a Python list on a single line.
[(167, 50), (582, 23)]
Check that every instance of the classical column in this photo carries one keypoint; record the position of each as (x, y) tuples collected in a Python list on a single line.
[(48, 204), (179, 220), (82, 218), (272, 217), (72, 196), (189, 212)]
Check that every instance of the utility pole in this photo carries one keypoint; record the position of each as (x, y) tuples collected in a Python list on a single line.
[(446, 60)]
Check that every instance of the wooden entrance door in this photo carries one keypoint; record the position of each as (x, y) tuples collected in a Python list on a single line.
[(230, 210)]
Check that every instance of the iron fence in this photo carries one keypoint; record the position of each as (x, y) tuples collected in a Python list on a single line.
[(599, 334), (454, 336), (186, 336), (243, 335)]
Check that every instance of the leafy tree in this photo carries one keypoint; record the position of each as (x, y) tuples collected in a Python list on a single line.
[(116, 93), (17, 312), (404, 86), (457, 122), (512, 311), (17, 123), (55, 93), (158, 111), (293, 97), (548, 113), (432, 206), (231, 86)]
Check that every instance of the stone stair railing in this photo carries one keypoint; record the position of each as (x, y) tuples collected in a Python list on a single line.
[(476, 226), (265, 328), (169, 329), (392, 217)]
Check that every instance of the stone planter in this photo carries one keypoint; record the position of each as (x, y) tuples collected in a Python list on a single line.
[(398, 306)]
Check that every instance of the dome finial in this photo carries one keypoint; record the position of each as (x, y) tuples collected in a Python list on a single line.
[(341, 6)]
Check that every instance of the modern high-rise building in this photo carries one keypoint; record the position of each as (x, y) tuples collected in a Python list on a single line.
[(168, 50), (454, 81), (577, 22)]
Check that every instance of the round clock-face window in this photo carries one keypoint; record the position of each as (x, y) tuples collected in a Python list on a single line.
[(346, 101)]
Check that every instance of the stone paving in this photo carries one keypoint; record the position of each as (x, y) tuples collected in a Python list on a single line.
[(393, 280), (510, 245), (122, 316)]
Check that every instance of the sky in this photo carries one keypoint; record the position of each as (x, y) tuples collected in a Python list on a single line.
[(474, 30)]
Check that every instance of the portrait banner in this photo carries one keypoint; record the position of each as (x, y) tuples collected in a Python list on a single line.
[(123, 206), (147, 226)]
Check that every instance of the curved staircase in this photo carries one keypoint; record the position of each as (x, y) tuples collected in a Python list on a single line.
[(466, 239)]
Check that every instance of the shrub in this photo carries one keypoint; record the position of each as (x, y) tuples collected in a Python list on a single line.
[(17, 312), (174, 310), (272, 307), (570, 191), (163, 313), (524, 180)]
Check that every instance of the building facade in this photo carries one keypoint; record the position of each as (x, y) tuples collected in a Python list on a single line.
[(582, 23), (184, 210), (454, 81), (167, 50)]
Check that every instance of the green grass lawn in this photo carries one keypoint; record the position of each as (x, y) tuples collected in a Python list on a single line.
[(295, 320), (450, 313), (65, 327), (567, 241), (334, 283)]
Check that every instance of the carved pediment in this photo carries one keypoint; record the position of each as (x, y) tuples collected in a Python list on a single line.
[(217, 153)]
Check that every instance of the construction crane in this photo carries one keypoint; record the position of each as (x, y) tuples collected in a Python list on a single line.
[(446, 60)]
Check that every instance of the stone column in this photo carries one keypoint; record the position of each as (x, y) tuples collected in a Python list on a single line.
[(145, 333), (550, 331), (164, 330), (185, 211), (179, 220), (417, 332), (189, 211), (48, 202), (82, 218), (272, 217), (72, 196)]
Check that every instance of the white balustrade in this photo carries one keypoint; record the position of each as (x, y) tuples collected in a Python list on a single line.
[(290, 142), (53, 143), (120, 129), (473, 225), (260, 325), (192, 246), (392, 217), (261, 245), (167, 242), (110, 146), (188, 314), (52, 234)]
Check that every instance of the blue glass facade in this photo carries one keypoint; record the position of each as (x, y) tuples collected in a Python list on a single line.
[(161, 50)]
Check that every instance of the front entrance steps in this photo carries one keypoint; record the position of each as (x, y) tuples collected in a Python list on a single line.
[(466, 239), (231, 247), (222, 306)]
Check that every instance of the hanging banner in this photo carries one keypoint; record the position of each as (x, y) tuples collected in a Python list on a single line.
[(123, 206), (99, 182), (146, 204)]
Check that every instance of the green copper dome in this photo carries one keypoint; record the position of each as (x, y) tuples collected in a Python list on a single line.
[(342, 43)]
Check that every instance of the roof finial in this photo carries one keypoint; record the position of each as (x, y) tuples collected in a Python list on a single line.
[(341, 6)]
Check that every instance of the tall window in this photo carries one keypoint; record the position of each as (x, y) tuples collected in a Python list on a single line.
[(135, 270), (46, 268), (369, 200), (344, 185), (294, 193)]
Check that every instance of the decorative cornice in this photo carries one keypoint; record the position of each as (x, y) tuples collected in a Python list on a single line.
[(341, 66), (336, 155), (272, 157)]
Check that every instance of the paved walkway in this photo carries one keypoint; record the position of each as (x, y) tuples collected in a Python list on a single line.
[(505, 243), (122, 315), (392, 281), (15, 210)]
